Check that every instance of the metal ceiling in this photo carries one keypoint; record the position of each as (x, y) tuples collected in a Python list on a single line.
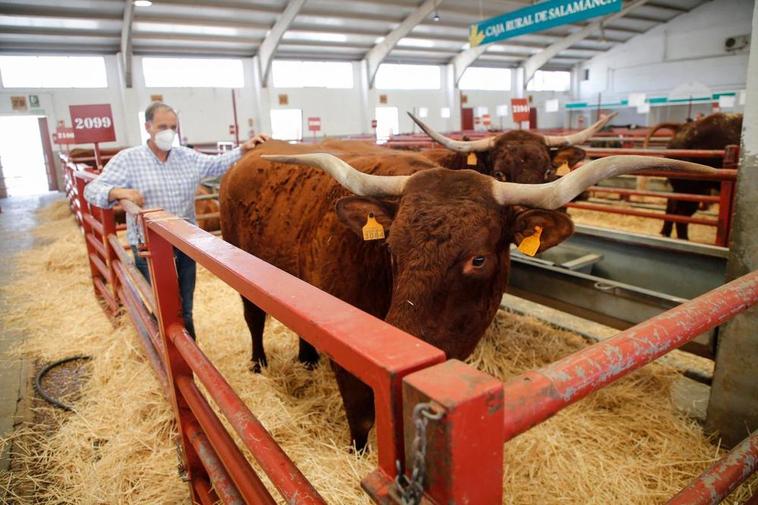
[(322, 29)]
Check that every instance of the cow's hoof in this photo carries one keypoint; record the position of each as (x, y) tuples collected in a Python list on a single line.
[(256, 366)]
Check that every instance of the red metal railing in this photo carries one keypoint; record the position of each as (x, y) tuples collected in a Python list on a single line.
[(726, 178), (478, 412), (486, 410)]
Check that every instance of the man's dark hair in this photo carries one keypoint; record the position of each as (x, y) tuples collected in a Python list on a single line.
[(155, 107)]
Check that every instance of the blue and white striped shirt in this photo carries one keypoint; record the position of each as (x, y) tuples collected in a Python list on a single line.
[(170, 185)]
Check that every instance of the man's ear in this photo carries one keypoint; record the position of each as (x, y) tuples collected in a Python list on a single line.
[(353, 211), (570, 155), (556, 227)]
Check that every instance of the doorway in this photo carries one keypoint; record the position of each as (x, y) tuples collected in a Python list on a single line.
[(22, 155), (387, 123)]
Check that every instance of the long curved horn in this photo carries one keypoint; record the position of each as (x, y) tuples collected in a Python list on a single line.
[(660, 126), (356, 182), (556, 194), (579, 137), (462, 146)]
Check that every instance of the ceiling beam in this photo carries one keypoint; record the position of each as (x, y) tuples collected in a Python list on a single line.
[(380, 51), (267, 49), (538, 60), (126, 42)]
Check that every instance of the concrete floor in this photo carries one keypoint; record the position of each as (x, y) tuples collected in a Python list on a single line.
[(17, 219)]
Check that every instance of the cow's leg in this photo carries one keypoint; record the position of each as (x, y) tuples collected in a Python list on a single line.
[(358, 399), (668, 225), (307, 354), (685, 209), (256, 320)]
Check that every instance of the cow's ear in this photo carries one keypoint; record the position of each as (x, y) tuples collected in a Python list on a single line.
[(354, 211), (556, 227), (570, 155)]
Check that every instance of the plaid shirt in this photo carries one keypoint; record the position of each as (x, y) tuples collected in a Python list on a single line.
[(170, 185)]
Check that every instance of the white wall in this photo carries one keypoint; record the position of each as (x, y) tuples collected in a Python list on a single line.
[(690, 48)]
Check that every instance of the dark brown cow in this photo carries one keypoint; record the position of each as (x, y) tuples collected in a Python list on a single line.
[(515, 156), (711, 132), (442, 270)]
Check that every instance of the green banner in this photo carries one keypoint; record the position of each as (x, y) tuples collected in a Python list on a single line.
[(539, 17)]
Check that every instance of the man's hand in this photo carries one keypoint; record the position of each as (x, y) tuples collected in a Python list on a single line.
[(126, 194), (254, 141)]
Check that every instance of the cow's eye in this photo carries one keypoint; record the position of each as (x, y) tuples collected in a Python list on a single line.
[(500, 176), (478, 261)]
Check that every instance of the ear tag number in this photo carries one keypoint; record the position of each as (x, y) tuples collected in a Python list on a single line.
[(531, 244), (372, 230), (471, 159), (563, 169)]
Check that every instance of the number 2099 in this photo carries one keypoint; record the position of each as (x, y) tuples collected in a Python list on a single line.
[(87, 123)]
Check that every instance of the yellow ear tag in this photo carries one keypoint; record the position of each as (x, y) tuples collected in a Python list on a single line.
[(372, 230), (471, 159), (563, 169), (531, 244)]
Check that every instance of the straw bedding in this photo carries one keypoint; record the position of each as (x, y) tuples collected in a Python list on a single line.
[(624, 444)]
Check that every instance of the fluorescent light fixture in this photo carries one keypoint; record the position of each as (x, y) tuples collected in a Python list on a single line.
[(142, 3)]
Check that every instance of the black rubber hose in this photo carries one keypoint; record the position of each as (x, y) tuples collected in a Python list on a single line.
[(43, 371)]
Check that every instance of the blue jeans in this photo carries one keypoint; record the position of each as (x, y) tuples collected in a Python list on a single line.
[(186, 270)]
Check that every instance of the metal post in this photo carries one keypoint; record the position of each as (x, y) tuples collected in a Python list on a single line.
[(169, 311), (733, 406), (464, 452)]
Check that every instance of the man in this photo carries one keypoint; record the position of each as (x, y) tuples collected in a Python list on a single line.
[(158, 174)]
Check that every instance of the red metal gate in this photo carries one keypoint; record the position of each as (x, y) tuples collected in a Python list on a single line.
[(470, 414)]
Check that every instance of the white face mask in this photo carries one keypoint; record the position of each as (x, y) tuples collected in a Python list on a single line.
[(164, 139)]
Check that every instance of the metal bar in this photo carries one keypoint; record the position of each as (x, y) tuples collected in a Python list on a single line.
[(105, 294), (601, 152), (204, 492), (248, 483), (381, 357), (135, 277), (148, 345), (686, 197), (220, 479), (141, 314), (282, 472), (97, 245), (641, 213), (96, 225), (536, 395), (718, 481), (100, 266), (726, 197)]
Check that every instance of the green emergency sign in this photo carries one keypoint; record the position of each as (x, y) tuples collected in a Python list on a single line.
[(539, 17)]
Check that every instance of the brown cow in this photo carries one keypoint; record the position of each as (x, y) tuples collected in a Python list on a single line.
[(442, 270), (515, 156), (711, 132)]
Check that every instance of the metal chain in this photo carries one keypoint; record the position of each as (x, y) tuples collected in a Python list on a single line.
[(411, 490)]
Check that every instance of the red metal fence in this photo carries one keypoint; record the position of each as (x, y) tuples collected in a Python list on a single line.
[(428, 409)]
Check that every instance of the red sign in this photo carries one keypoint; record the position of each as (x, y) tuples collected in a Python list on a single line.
[(64, 136), (373, 123), (520, 109), (314, 124), (92, 123), (486, 120)]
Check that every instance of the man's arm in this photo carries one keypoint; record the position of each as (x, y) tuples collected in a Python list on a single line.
[(112, 185), (216, 165)]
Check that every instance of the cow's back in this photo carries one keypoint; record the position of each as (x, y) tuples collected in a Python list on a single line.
[(284, 214)]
